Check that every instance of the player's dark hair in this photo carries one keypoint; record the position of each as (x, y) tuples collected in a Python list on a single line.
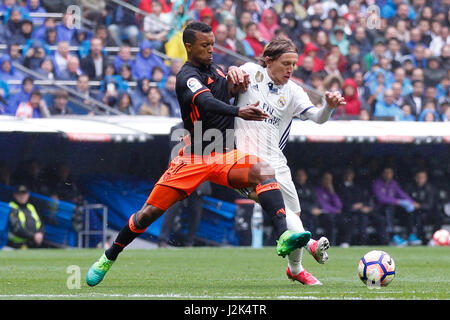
[(192, 28), (275, 48)]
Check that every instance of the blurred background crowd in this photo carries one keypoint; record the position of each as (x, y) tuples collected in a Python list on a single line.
[(389, 58)]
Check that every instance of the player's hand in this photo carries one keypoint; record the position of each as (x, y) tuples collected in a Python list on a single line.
[(239, 78), (334, 99), (252, 112)]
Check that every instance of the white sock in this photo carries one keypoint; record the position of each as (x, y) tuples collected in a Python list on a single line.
[(294, 223)]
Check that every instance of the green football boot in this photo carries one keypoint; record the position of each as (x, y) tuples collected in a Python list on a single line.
[(98, 270), (291, 240)]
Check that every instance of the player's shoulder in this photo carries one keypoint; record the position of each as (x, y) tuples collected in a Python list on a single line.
[(251, 67), (295, 88), (187, 71)]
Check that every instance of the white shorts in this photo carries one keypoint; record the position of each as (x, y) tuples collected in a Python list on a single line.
[(287, 188)]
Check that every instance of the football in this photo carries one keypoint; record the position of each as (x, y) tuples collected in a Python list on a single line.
[(376, 269), (441, 237)]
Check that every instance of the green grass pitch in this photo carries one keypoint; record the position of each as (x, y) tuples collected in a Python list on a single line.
[(218, 273)]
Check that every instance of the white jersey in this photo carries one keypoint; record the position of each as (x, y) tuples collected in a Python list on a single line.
[(268, 138)]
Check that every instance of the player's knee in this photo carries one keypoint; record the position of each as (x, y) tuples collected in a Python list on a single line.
[(261, 172), (148, 214)]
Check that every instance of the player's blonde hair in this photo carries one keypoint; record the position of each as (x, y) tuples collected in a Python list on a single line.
[(275, 48)]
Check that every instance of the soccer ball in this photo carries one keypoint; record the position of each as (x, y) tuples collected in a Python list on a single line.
[(376, 269), (441, 237)]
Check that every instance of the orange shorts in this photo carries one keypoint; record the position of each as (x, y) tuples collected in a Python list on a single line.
[(187, 172)]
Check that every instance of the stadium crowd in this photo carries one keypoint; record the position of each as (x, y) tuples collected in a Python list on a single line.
[(389, 58)]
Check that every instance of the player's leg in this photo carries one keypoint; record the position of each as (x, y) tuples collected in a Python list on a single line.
[(160, 199), (251, 171)]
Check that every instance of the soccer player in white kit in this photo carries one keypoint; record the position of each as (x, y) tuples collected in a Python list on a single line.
[(269, 83)]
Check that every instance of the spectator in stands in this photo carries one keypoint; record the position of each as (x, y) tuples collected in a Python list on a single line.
[(101, 31), (94, 10), (60, 57), (59, 106), (424, 195), (253, 39), (145, 61), (407, 113), (123, 57), (24, 95), (158, 77), (362, 88), (169, 96), (154, 105), (34, 6), (72, 71), (350, 94), (331, 66), (355, 210), (24, 34), (330, 205), (434, 72), (416, 98), (180, 17), (34, 53), (339, 38), (25, 226), (440, 39), (268, 24), (125, 103), (156, 26), (8, 71), (126, 74), (50, 37), (94, 63), (405, 82), (397, 93), (139, 94), (388, 195), (377, 85), (13, 23), (65, 29), (305, 71), (36, 107), (83, 90), (39, 32), (219, 56), (387, 107), (374, 56), (311, 50), (15, 52), (123, 23), (309, 204), (46, 69), (429, 115)]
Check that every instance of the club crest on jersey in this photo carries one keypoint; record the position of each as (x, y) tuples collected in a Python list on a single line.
[(282, 101), (259, 76), (193, 84), (220, 73)]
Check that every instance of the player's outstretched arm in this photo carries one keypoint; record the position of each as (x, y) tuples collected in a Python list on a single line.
[(334, 99), (322, 115), (238, 81)]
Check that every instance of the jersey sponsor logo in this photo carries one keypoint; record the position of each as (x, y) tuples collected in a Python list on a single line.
[(259, 76), (193, 84)]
